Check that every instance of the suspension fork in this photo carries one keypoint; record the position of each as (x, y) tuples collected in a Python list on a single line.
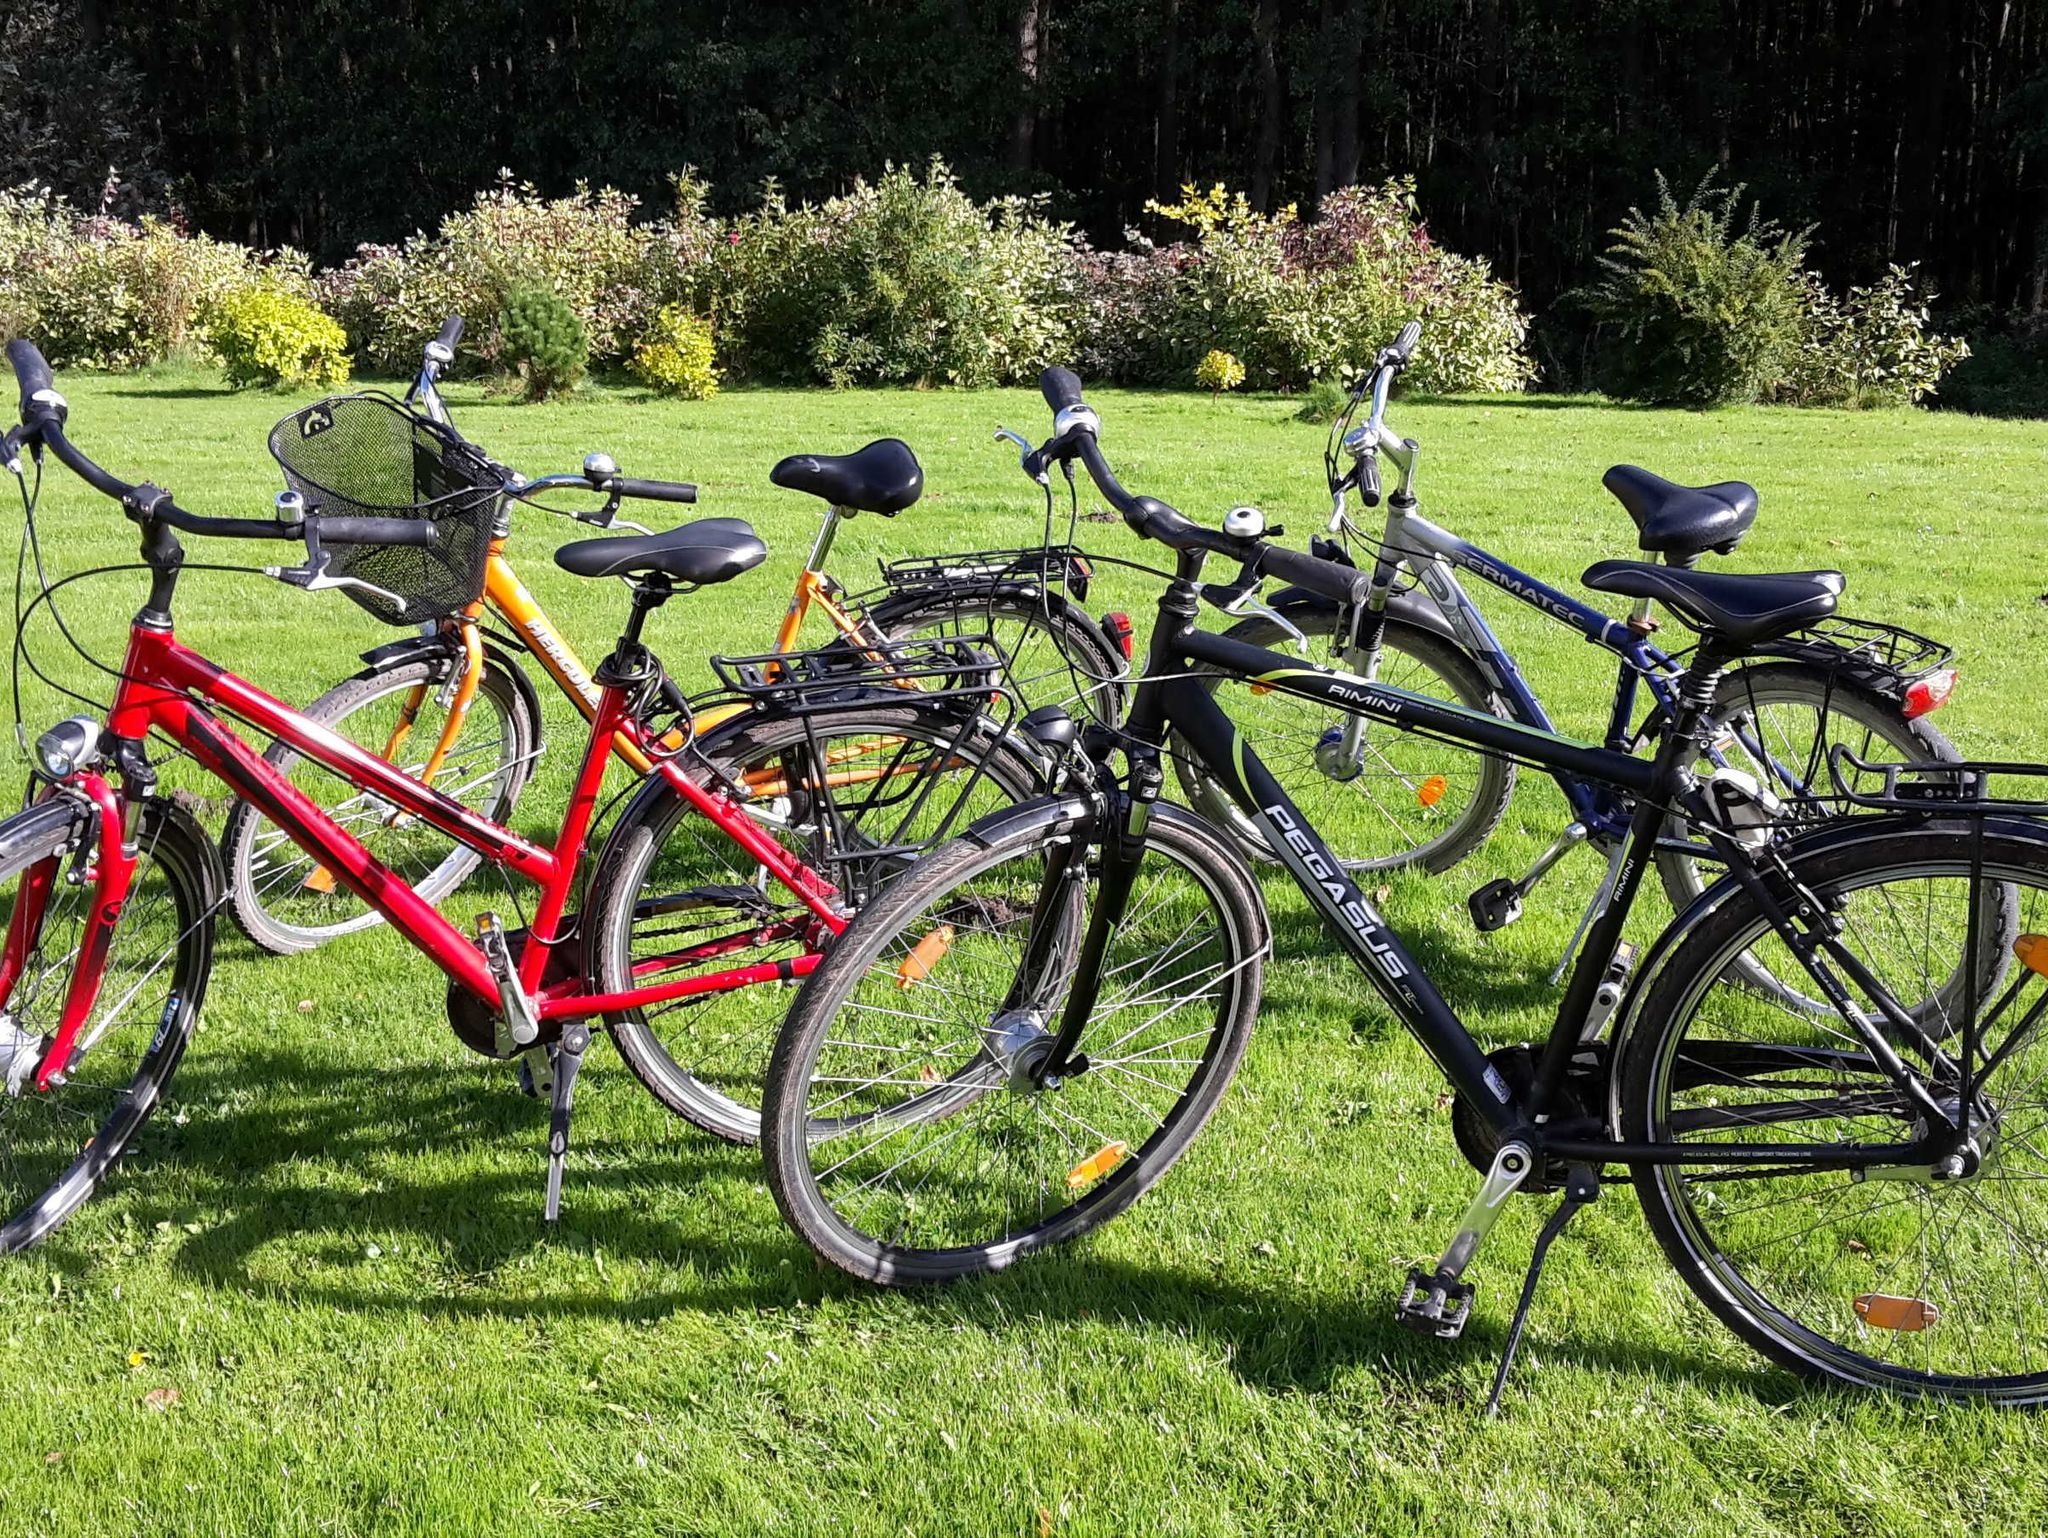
[(110, 873)]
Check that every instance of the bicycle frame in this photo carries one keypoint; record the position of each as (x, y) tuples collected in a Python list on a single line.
[(167, 687), (1169, 698)]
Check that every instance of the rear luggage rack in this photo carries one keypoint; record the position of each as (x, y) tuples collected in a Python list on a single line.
[(1936, 785), (1064, 565), (964, 666)]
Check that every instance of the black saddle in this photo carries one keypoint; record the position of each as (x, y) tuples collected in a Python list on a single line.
[(884, 477), (1683, 521), (1744, 609), (696, 554)]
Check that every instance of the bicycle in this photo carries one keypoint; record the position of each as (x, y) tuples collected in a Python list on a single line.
[(110, 889), (936, 1112), (419, 692), (1388, 800)]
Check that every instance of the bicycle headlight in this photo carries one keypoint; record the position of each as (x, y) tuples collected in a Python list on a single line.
[(68, 747)]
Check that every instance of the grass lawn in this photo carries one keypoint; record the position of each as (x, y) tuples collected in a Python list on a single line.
[(330, 1246)]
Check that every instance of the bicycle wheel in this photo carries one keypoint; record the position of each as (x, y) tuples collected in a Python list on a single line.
[(1396, 799), (1929, 1286), (906, 1141), (1777, 721), (675, 895), (57, 1144), (1057, 654), (284, 899)]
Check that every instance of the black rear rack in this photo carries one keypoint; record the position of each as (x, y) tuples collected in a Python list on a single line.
[(959, 665), (1063, 565), (1935, 785), (1892, 647)]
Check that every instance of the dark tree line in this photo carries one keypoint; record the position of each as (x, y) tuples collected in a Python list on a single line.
[(1908, 130)]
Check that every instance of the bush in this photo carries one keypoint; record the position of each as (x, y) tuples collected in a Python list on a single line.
[(1298, 300), (1219, 371), (614, 274), (901, 281), (96, 292), (2006, 373), (1705, 312), (677, 356), (1871, 347), (541, 341), (267, 334)]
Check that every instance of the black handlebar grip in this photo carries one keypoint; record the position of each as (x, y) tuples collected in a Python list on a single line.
[(378, 531), (451, 332), (652, 491), (30, 370), (1404, 344), (1339, 584), (1369, 480), (1060, 388)]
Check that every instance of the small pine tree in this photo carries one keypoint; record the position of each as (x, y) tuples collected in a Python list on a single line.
[(542, 341)]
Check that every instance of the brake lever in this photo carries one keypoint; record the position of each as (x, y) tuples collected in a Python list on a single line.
[(1024, 452), (312, 578)]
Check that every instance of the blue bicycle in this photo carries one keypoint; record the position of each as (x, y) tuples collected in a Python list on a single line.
[(1386, 798)]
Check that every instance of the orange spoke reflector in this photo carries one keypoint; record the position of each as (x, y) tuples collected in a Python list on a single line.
[(2033, 952), (322, 880), (926, 954), (1096, 1165), (1262, 688), (1884, 1312), (1431, 790)]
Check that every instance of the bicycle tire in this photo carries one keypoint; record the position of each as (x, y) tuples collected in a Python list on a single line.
[(178, 881), (1691, 1056), (1090, 674), (1096, 1188)]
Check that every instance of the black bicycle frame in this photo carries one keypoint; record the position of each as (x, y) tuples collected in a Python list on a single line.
[(1168, 696)]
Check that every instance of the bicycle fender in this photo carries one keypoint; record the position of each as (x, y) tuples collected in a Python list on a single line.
[(443, 647), (1410, 607)]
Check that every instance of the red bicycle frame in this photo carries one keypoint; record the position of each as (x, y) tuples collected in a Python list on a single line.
[(166, 687)]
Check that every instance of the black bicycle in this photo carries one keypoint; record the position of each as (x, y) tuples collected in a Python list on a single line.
[(1024, 1033)]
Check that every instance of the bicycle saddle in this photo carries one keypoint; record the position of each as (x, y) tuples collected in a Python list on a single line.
[(697, 554), (1683, 521), (884, 477), (1738, 607)]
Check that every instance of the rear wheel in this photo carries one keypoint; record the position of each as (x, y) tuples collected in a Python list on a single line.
[(676, 896), (1382, 798), (1884, 1277), (907, 1139), (1057, 655), (57, 1144), (287, 901)]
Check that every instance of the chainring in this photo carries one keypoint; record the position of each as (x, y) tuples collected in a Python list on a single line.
[(1585, 1091)]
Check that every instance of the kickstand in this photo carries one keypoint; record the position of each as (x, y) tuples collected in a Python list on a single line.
[(1581, 1189), (568, 1059)]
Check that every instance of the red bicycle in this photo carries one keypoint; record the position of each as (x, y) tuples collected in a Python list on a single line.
[(110, 889)]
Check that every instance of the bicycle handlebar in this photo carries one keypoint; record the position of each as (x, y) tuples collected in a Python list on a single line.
[(451, 332), (42, 419), (1150, 518), (650, 491)]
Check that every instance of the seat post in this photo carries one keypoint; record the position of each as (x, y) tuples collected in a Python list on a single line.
[(821, 547)]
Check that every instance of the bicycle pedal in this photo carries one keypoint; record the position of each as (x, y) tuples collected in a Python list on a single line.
[(537, 1072), (1495, 905), (1434, 1304)]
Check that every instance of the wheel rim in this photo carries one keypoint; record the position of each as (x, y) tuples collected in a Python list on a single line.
[(298, 897), (1040, 672), (1796, 1252), (926, 1145)]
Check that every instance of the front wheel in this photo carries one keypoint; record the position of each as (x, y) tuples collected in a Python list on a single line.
[(907, 1137), (57, 1144), (1383, 798), (1887, 1276)]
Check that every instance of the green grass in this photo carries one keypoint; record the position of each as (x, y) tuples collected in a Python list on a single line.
[(330, 1246)]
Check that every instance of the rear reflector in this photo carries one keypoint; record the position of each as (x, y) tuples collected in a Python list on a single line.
[(1929, 693), (1117, 626)]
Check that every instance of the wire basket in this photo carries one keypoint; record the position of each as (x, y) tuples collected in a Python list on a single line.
[(367, 455)]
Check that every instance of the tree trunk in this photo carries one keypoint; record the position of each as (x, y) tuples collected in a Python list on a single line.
[(1024, 126), (1166, 143), (1272, 103)]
